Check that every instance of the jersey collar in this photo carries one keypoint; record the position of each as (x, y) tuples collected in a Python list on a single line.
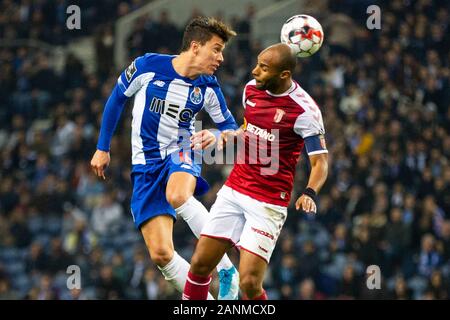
[(287, 92)]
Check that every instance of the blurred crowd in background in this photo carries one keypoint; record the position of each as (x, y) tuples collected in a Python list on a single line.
[(384, 96)]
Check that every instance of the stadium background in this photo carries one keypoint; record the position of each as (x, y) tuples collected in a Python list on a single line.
[(385, 99)]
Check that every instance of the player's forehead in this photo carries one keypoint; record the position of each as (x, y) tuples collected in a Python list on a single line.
[(216, 41), (267, 58)]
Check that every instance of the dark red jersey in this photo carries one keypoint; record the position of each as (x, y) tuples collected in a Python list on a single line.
[(275, 129)]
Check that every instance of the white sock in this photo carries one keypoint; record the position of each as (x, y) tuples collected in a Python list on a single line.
[(196, 216), (176, 271)]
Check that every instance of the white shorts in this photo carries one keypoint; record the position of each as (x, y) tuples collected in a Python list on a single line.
[(249, 224)]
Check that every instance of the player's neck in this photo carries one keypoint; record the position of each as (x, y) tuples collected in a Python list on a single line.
[(183, 65), (284, 86)]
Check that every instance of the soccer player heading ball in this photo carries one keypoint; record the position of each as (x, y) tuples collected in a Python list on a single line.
[(169, 91), (251, 207)]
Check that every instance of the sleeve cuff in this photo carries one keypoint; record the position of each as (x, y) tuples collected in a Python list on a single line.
[(102, 148)]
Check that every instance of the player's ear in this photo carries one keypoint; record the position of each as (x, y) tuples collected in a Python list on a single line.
[(195, 46), (285, 74)]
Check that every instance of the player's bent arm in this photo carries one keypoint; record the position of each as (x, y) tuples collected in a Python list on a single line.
[(319, 171), (217, 109), (318, 157)]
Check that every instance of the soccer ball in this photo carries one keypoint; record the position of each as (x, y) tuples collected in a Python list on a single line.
[(303, 34)]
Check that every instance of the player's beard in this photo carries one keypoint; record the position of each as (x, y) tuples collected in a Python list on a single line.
[(271, 84)]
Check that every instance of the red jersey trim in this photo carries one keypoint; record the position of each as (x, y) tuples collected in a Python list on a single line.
[(254, 253), (218, 238)]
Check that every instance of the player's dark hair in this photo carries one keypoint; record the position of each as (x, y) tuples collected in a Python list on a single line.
[(202, 29)]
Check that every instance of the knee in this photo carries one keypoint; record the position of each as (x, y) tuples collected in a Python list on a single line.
[(178, 198), (161, 255), (199, 266), (250, 285)]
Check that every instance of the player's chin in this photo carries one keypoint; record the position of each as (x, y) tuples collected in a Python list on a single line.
[(260, 85), (211, 71)]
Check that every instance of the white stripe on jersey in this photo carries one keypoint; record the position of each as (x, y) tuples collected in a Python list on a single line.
[(177, 93), (137, 83), (212, 106), (310, 122), (137, 146), (317, 152), (244, 97)]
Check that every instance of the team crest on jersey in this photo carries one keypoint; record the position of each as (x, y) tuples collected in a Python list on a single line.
[(278, 115), (322, 142), (196, 95)]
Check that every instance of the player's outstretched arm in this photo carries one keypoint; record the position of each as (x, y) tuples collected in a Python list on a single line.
[(318, 176), (111, 115), (128, 83)]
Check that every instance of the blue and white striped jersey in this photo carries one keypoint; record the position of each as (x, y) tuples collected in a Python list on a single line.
[(165, 105)]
